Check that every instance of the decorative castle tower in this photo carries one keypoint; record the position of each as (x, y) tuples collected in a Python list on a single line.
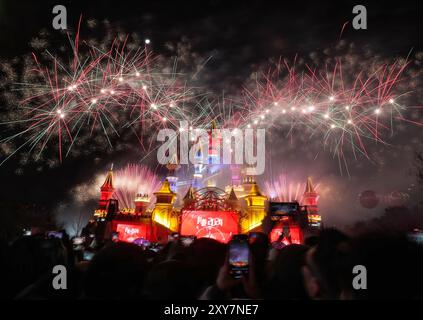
[(248, 181), (142, 202), (309, 202), (163, 212), (198, 169), (172, 167), (233, 201), (207, 170), (310, 197), (213, 166), (189, 198), (215, 140), (106, 193), (255, 210)]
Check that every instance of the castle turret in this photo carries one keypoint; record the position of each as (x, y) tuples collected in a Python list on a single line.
[(142, 202), (233, 201), (213, 167), (255, 210), (215, 139), (172, 167), (248, 178), (198, 169), (106, 193), (163, 208), (189, 198), (310, 198)]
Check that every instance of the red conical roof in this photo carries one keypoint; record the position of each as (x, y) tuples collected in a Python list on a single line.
[(232, 196), (108, 183), (309, 186)]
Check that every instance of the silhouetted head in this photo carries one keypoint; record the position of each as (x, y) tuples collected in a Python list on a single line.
[(116, 272), (311, 241), (171, 279), (325, 265), (259, 246), (207, 256), (285, 281), (393, 266), (31, 257)]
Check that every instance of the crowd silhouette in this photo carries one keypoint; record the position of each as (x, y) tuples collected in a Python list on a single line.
[(320, 269)]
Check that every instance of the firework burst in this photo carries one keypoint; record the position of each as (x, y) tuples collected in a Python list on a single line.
[(281, 188), (116, 90), (344, 110), (99, 91), (131, 180)]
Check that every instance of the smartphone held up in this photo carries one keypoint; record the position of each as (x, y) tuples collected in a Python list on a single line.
[(239, 255)]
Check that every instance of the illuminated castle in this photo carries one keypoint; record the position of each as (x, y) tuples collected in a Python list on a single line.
[(204, 210)]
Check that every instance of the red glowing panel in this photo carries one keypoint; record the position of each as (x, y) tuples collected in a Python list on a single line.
[(130, 232), (275, 233), (294, 235), (210, 224)]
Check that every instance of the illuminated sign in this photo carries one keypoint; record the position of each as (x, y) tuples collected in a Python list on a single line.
[(130, 232), (210, 224)]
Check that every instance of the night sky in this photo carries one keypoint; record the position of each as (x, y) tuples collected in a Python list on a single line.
[(239, 37)]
